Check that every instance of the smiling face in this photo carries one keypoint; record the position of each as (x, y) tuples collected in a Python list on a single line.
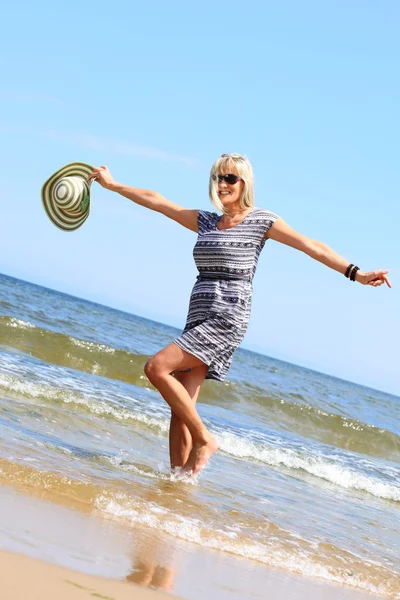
[(230, 194)]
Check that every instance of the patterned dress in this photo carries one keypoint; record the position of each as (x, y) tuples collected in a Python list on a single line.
[(220, 303)]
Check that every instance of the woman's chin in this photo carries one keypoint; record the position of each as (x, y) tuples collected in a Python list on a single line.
[(225, 200)]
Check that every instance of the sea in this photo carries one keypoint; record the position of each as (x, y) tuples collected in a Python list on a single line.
[(307, 478)]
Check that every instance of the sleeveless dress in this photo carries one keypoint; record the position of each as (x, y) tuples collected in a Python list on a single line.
[(220, 302)]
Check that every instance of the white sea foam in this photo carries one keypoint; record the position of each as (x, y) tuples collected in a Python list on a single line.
[(89, 401), (316, 465), (297, 559), (92, 346), (125, 463), (18, 324)]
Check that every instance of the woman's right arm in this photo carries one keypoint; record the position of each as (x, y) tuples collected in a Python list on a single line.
[(149, 199)]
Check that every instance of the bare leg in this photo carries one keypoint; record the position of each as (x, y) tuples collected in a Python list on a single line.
[(180, 440), (159, 371)]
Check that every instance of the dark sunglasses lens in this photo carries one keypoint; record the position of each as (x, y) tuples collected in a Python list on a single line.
[(230, 179)]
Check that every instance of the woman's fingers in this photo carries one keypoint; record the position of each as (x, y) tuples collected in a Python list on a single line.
[(98, 172), (387, 280), (377, 278), (94, 174)]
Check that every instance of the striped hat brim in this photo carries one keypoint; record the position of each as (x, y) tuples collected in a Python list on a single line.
[(64, 219)]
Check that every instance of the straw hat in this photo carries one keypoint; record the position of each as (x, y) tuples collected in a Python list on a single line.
[(66, 196)]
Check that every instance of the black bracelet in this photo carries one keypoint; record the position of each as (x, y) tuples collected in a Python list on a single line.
[(348, 270), (354, 273)]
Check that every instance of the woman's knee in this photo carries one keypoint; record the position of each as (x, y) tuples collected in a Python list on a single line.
[(153, 369), (149, 368)]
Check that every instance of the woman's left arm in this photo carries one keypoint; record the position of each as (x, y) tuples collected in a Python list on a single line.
[(282, 232)]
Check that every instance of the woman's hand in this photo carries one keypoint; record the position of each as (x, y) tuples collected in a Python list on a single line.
[(374, 278), (103, 176)]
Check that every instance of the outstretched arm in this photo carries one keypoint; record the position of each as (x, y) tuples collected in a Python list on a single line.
[(282, 232), (148, 198)]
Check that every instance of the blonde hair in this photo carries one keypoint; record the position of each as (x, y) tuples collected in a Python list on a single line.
[(229, 163)]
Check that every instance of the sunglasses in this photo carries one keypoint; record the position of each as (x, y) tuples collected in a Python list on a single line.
[(230, 178)]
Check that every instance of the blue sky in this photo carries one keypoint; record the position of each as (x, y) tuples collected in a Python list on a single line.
[(309, 91)]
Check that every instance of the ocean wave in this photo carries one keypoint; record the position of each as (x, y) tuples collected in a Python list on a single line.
[(318, 465), (89, 401), (321, 425), (67, 351), (300, 558)]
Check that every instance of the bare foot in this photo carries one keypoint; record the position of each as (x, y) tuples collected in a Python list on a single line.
[(199, 456)]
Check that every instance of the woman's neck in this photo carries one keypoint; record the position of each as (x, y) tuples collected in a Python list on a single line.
[(233, 213)]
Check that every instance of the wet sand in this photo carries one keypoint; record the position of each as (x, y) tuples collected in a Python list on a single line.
[(51, 551), (25, 578)]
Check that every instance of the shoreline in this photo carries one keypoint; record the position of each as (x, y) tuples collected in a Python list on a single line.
[(52, 551)]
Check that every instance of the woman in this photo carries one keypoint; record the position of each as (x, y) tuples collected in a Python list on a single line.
[(226, 255)]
